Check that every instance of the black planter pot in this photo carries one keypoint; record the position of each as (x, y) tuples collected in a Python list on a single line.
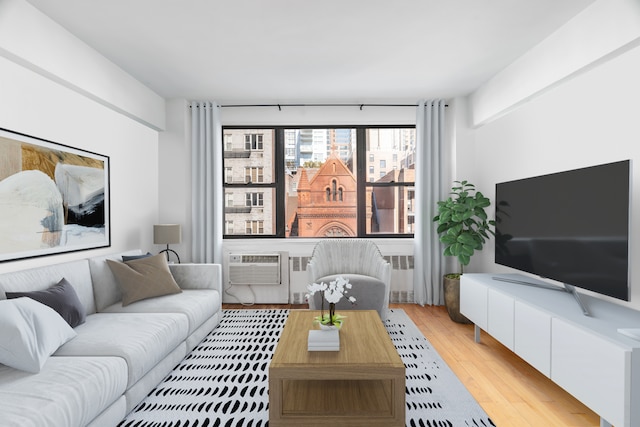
[(452, 299)]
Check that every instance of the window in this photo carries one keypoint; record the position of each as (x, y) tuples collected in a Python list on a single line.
[(254, 227), (306, 182), (411, 198), (395, 148), (253, 174), (253, 141), (254, 199), (334, 193), (228, 142), (251, 193)]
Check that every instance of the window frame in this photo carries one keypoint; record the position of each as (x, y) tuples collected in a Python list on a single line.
[(278, 184)]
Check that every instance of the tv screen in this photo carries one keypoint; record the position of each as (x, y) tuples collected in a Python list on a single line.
[(572, 227)]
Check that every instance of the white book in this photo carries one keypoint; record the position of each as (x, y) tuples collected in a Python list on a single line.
[(323, 340), (323, 349), (317, 336)]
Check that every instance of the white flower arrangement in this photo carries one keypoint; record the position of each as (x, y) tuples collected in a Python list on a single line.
[(333, 293)]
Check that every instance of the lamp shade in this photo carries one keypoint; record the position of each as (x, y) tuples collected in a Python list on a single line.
[(167, 234)]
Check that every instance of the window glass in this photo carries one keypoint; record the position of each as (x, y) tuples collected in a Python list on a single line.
[(304, 182), (392, 210), (250, 204), (394, 148), (392, 193), (321, 183), (249, 155)]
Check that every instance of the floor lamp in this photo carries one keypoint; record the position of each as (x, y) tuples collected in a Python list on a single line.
[(167, 234)]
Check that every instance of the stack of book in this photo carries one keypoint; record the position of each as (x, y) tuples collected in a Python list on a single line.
[(323, 340)]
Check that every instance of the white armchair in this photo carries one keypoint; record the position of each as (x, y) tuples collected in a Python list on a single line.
[(361, 262)]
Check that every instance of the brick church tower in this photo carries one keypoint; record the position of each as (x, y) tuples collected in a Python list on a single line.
[(327, 205)]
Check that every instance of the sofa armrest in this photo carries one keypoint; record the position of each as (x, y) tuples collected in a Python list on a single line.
[(198, 276)]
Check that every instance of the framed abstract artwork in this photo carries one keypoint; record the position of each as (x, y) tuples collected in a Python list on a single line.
[(53, 198)]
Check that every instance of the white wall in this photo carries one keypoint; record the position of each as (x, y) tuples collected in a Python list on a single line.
[(174, 180), (588, 120), (603, 30), (33, 40), (38, 104), (320, 115)]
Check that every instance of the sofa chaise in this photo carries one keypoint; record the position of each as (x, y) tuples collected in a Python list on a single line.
[(119, 352)]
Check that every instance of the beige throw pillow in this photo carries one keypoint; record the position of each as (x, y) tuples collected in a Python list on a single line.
[(144, 278)]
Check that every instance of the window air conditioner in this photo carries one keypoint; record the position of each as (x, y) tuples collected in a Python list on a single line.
[(254, 269)]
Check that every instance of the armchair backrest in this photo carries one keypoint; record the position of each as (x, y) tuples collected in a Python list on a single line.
[(355, 256)]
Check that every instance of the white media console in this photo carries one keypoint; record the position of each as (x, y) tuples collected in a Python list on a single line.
[(586, 355)]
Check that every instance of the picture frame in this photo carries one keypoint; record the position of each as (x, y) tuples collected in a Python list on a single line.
[(54, 198)]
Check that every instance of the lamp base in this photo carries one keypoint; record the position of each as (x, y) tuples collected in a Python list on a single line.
[(170, 250)]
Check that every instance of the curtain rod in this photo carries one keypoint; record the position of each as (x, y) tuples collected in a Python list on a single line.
[(361, 106)]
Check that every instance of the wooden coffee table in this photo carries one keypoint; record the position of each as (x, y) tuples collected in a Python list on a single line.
[(363, 384)]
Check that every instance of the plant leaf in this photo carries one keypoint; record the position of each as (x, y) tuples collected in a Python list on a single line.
[(464, 259)]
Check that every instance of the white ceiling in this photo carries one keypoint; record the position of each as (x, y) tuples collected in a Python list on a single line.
[(278, 51)]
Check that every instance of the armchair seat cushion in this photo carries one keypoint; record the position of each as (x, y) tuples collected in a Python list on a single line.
[(368, 291)]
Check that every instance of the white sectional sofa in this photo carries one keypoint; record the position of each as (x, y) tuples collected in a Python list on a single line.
[(118, 354)]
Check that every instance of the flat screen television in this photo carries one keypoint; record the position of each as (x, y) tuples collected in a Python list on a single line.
[(571, 226)]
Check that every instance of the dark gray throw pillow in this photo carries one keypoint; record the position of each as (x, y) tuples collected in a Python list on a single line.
[(126, 258), (62, 298)]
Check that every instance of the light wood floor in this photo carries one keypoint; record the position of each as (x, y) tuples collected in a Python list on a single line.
[(512, 392)]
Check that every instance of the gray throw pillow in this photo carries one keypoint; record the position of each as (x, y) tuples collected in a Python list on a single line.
[(62, 298)]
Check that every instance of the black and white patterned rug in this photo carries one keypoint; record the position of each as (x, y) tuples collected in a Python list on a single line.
[(224, 381)]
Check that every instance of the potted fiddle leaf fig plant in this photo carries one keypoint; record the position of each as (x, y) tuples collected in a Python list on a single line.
[(464, 227)]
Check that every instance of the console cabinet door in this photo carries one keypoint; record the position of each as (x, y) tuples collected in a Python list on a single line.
[(532, 336), (501, 316), (592, 369), (473, 301)]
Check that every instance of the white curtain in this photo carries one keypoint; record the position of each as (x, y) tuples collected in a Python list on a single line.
[(206, 183), (430, 174)]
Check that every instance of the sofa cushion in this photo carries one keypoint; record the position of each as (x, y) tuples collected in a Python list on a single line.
[(144, 278), (142, 340), (41, 278), (197, 304), (30, 333), (62, 298), (66, 392), (105, 286)]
